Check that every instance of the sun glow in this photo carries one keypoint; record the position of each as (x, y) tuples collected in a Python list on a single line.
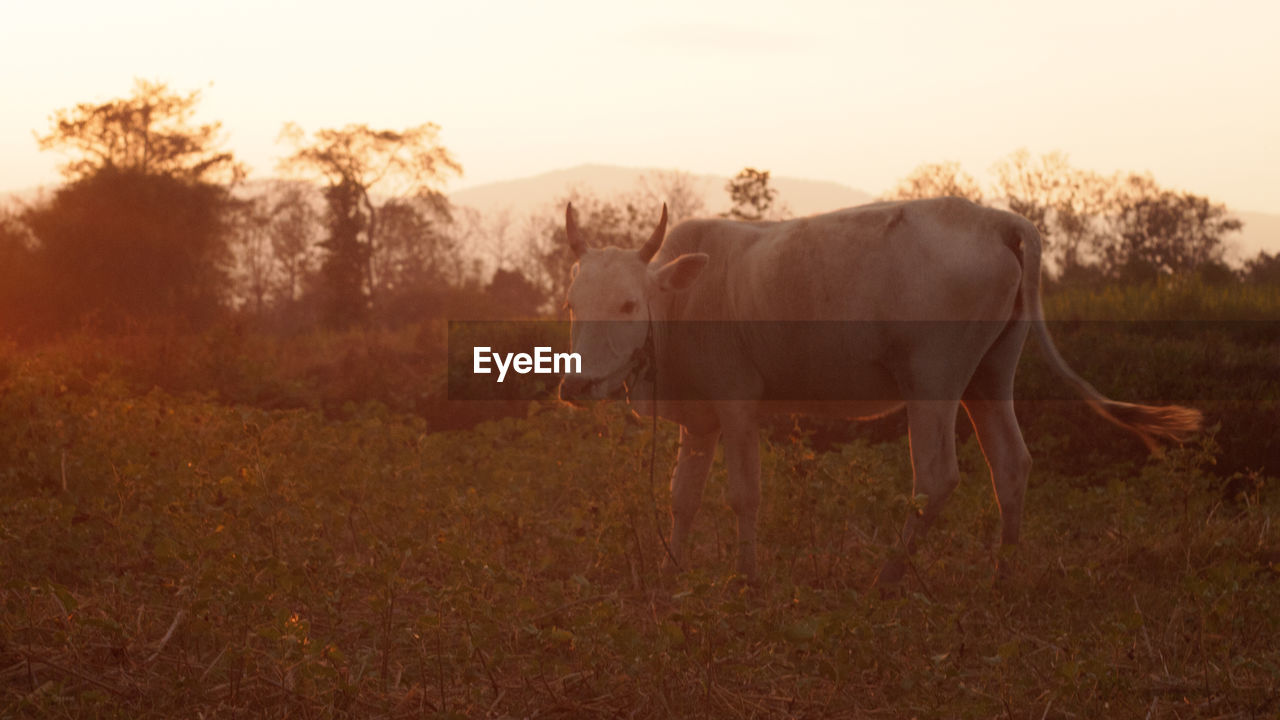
[(858, 95)]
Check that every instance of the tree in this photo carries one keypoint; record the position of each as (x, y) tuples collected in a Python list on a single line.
[(121, 245), (492, 231), (677, 189), (1263, 269), (415, 262), (346, 262), (514, 295), (19, 285), (414, 249), (937, 180), (355, 160), (294, 228), (751, 195), (1174, 232), (1217, 273), (140, 229), (1121, 227), (251, 247), (150, 132), (1064, 203), (274, 233)]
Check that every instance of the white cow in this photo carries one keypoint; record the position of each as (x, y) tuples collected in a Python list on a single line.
[(923, 304)]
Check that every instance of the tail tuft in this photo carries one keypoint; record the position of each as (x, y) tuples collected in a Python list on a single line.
[(1168, 422)]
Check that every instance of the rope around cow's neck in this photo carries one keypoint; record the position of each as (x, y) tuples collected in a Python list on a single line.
[(649, 356)]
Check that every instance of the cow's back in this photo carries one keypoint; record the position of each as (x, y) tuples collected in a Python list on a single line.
[(832, 303)]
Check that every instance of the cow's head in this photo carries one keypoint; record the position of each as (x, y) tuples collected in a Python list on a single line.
[(612, 301)]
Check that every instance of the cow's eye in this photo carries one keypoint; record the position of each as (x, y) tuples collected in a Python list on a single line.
[(628, 307)]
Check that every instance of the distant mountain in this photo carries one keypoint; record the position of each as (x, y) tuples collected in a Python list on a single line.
[(803, 197)]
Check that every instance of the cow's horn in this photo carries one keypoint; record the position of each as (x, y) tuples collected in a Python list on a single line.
[(571, 231), (655, 240)]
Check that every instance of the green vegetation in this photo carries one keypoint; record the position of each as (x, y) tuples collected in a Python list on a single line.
[(226, 525)]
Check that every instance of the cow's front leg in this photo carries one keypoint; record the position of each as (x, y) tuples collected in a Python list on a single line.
[(692, 465), (742, 455)]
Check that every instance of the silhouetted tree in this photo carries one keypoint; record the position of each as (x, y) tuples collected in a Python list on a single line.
[(1217, 273), (150, 133), (675, 188), (1263, 269), (1174, 232), (415, 263), (1123, 227), (355, 160), (140, 230), (254, 272), (295, 224), (413, 249), (751, 194), (491, 231), (122, 244), (937, 180), (1079, 275), (514, 295), (1065, 203), (19, 285), (346, 256)]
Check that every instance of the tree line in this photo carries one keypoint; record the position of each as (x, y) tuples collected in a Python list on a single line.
[(156, 222), (1102, 229)]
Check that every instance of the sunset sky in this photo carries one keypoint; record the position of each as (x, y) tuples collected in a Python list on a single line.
[(857, 93)]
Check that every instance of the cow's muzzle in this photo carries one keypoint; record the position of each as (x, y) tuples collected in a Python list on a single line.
[(642, 365), (579, 391)]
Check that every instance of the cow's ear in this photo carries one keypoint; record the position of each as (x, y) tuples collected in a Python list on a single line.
[(681, 272)]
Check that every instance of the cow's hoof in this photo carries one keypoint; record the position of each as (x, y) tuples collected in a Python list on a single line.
[(1007, 566)]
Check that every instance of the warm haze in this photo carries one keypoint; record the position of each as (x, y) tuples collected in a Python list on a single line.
[(857, 95), (306, 446)]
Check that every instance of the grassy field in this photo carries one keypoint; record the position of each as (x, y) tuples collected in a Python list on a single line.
[(183, 552)]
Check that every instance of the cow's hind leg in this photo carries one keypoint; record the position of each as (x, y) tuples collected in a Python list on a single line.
[(690, 477), (932, 425), (1010, 465), (989, 401)]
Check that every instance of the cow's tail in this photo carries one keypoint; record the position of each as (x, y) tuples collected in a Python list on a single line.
[(1169, 422)]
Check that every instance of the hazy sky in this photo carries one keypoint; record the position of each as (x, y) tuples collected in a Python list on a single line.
[(859, 93)]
